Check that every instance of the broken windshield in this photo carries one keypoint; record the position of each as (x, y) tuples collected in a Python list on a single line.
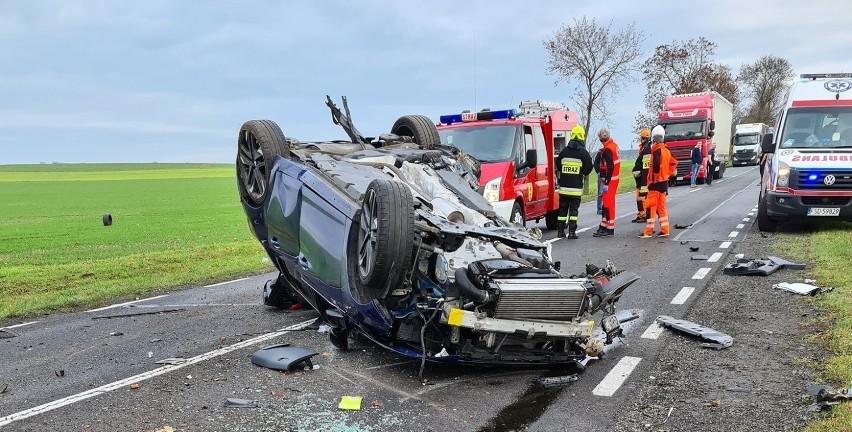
[(484, 143), (821, 127), (682, 131)]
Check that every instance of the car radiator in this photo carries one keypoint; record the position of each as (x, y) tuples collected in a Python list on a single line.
[(546, 299)]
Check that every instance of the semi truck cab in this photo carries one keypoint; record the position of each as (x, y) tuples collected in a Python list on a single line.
[(516, 150)]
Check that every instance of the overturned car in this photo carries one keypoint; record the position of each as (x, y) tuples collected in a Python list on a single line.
[(391, 238)]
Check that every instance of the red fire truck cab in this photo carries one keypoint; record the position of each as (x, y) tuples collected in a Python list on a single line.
[(517, 150)]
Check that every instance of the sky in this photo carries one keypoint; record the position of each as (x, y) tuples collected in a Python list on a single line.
[(172, 81)]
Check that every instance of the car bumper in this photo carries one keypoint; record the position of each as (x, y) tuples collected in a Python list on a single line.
[(467, 319), (503, 208), (783, 206)]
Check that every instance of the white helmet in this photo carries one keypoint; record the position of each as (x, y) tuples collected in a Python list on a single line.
[(658, 134)]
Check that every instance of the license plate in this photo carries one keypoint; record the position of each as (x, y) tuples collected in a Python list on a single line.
[(610, 324), (824, 211)]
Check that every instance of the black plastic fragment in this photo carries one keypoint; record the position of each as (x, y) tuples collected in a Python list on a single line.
[(717, 339), (283, 357)]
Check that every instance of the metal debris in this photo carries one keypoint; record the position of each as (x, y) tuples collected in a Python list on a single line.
[(760, 267), (798, 288), (700, 257), (678, 226), (827, 396), (557, 380), (241, 403), (137, 314), (171, 361), (718, 340)]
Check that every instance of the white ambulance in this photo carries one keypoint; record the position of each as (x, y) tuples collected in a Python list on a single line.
[(808, 165)]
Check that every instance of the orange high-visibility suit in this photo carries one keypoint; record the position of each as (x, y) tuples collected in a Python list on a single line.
[(663, 166), (609, 169)]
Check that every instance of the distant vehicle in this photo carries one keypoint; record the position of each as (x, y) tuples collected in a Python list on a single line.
[(517, 151), (746, 143), (697, 118), (389, 238), (808, 169)]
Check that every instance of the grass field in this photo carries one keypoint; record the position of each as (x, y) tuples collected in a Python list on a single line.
[(827, 248), (173, 224), (626, 184)]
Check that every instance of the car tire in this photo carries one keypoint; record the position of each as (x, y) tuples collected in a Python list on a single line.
[(764, 222), (258, 144), (419, 127), (517, 215), (719, 174), (551, 220), (385, 236)]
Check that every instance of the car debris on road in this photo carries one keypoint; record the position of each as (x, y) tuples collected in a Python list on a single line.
[(284, 357), (760, 267), (798, 288), (718, 340), (241, 403), (827, 397)]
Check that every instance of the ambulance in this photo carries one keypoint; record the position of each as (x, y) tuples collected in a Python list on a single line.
[(807, 171)]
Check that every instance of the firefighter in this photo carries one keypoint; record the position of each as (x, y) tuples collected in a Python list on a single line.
[(608, 171), (640, 173), (575, 163), (663, 166)]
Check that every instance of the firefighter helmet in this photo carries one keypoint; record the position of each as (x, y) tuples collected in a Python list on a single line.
[(578, 133), (645, 133), (658, 134)]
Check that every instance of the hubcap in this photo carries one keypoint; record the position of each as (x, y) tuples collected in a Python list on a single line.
[(367, 234), (252, 166)]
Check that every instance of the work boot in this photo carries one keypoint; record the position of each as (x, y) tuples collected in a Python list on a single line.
[(572, 234), (600, 232), (662, 234), (560, 230), (640, 219), (643, 235)]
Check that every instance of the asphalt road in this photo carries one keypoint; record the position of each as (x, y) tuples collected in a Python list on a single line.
[(74, 371)]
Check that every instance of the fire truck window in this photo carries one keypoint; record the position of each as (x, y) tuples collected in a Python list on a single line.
[(528, 145), (540, 146)]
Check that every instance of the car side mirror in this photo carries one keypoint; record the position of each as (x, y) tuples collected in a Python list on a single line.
[(711, 133), (532, 158), (767, 146), (712, 125)]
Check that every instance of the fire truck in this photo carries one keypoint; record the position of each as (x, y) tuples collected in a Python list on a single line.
[(517, 149)]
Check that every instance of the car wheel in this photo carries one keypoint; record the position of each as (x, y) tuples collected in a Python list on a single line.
[(385, 236), (551, 220), (259, 142), (418, 127), (517, 215), (764, 222)]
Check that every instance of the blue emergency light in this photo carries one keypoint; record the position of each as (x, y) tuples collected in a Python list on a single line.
[(482, 115), (812, 177)]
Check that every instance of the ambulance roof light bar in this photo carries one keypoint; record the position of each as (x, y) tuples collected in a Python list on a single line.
[(826, 75)]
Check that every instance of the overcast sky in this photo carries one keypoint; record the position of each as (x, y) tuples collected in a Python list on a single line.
[(172, 81)]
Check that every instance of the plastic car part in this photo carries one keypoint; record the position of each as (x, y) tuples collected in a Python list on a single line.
[(241, 403), (283, 357), (798, 288), (719, 340), (761, 267)]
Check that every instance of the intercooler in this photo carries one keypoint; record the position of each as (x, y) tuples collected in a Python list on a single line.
[(546, 299)]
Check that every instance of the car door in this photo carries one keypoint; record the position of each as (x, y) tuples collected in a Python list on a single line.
[(525, 177), (542, 183)]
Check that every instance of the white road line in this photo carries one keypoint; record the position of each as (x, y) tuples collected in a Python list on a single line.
[(654, 331), (19, 325), (223, 283), (684, 294), (740, 226), (616, 377), (701, 273), (715, 257), (746, 219), (706, 215), (581, 230), (725, 245), (551, 240), (126, 303), (734, 234), (695, 190), (751, 214), (50, 406)]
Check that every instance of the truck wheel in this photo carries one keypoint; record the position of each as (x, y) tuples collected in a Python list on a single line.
[(551, 220), (385, 236), (517, 215), (418, 127), (259, 142), (764, 222)]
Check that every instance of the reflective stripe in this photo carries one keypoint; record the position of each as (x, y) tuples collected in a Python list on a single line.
[(664, 219), (573, 218), (643, 189), (617, 161), (570, 191), (561, 218)]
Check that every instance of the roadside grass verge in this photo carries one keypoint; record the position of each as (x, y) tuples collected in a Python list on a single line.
[(827, 248), (626, 184), (173, 225)]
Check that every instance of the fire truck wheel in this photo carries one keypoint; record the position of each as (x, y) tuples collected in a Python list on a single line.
[(419, 128), (517, 215), (551, 220)]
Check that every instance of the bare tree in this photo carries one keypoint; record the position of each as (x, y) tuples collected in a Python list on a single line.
[(599, 60), (765, 82), (683, 67)]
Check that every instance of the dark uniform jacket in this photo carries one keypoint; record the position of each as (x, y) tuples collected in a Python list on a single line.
[(643, 163), (573, 163)]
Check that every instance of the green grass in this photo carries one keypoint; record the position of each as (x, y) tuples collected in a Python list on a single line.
[(626, 184), (827, 249), (173, 224)]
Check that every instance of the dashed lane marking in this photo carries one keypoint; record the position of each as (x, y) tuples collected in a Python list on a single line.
[(701, 273), (734, 234), (653, 331), (616, 377), (746, 219), (706, 215), (683, 295), (725, 245), (740, 226), (126, 303), (715, 257), (224, 283), (50, 406)]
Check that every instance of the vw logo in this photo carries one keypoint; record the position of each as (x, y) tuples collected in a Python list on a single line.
[(838, 86), (828, 180)]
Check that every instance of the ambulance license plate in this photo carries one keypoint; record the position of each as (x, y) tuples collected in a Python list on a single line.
[(823, 211)]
